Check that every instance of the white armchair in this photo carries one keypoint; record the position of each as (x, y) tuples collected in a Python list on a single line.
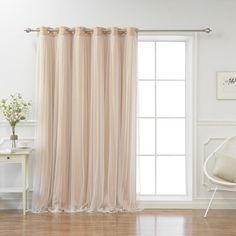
[(227, 150)]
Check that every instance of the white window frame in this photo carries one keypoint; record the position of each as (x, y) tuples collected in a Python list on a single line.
[(190, 103)]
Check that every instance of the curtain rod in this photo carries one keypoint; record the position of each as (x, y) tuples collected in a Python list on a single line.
[(206, 30)]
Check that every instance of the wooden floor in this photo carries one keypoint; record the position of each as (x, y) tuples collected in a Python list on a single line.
[(149, 222)]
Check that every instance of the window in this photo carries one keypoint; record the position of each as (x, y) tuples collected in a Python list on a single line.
[(163, 118)]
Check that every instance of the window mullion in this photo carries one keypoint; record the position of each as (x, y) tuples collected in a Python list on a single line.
[(155, 83)]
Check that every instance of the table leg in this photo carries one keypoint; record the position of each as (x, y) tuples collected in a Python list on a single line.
[(24, 185), (27, 182)]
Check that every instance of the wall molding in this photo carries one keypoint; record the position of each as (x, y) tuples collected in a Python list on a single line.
[(216, 122), (21, 124), (199, 123)]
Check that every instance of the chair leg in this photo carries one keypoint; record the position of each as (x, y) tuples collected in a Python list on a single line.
[(209, 205)]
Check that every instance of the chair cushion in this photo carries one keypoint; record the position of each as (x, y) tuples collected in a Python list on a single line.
[(225, 167)]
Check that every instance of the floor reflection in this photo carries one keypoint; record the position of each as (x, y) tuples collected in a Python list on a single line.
[(144, 223), (162, 225)]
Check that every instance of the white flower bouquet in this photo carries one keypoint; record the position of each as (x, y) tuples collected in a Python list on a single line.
[(14, 109)]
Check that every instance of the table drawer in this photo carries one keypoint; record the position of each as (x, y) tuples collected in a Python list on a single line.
[(11, 158)]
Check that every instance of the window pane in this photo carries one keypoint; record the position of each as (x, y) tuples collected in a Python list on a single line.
[(146, 60), (146, 174), (170, 98), (170, 60), (146, 98), (146, 136), (170, 175), (170, 136)]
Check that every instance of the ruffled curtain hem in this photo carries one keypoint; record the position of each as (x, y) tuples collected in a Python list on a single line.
[(86, 210)]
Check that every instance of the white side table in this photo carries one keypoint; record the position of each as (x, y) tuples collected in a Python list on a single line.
[(21, 157)]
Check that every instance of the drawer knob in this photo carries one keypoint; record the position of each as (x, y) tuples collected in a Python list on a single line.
[(8, 157)]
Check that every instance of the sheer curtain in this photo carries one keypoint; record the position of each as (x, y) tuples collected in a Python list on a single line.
[(85, 141)]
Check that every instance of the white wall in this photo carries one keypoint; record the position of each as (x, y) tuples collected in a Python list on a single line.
[(216, 53)]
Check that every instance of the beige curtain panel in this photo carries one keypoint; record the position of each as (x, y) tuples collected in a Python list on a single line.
[(85, 141)]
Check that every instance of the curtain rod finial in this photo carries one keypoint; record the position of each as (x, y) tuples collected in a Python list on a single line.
[(28, 30), (208, 30)]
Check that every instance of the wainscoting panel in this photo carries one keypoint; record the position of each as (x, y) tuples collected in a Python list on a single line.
[(209, 135)]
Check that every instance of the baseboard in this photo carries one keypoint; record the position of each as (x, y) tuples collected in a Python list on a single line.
[(9, 204), (16, 203), (195, 204), (12, 201)]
